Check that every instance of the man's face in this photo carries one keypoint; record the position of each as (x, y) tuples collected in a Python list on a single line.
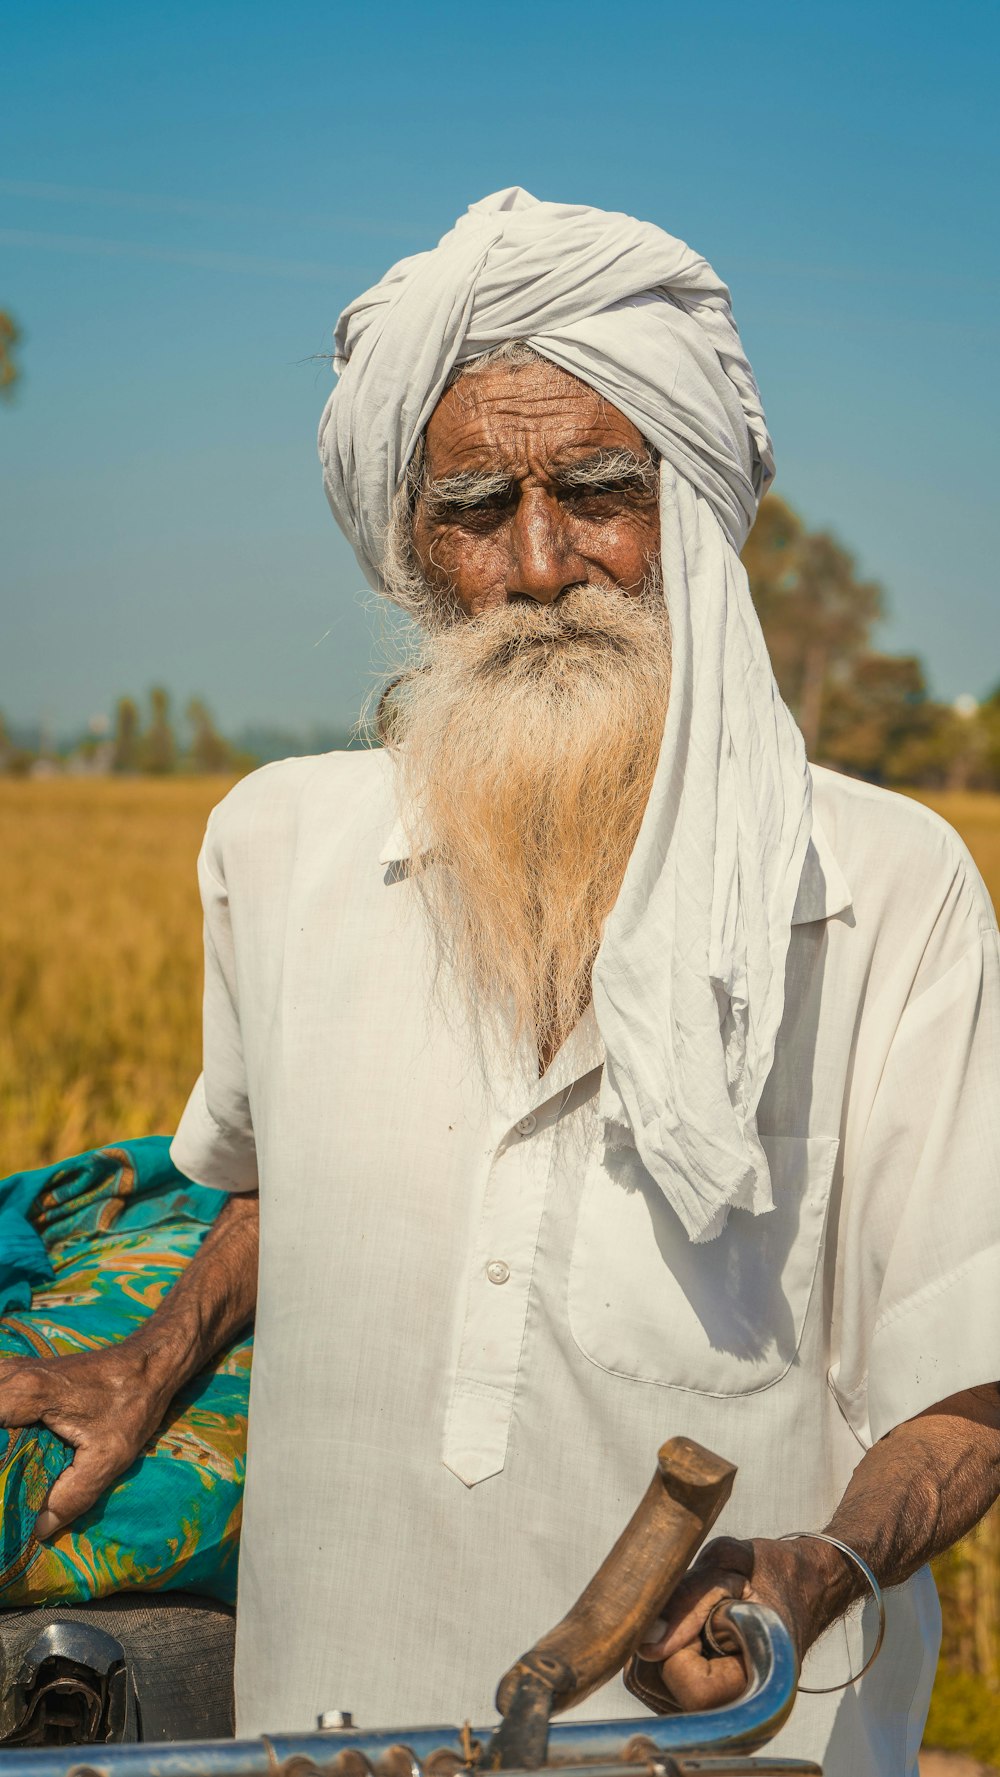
[(533, 484)]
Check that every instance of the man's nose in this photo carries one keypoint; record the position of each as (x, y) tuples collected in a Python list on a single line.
[(543, 563)]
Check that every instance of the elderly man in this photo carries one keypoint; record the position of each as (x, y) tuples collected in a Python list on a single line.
[(604, 1072)]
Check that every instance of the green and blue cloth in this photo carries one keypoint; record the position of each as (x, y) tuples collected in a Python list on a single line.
[(88, 1249)]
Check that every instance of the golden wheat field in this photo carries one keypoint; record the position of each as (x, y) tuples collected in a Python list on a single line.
[(100, 953), (100, 959), (100, 988)]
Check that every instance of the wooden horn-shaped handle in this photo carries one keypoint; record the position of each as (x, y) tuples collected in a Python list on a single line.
[(606, 1624)]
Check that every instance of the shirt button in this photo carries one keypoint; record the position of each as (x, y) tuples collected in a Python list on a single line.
[(497, 1271), (525, 1125)]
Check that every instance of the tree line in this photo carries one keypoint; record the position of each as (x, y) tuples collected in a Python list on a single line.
[(10, 334), (153, 746), (861, 711), (137, 741)]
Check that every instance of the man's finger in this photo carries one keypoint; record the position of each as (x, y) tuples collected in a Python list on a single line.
[(697, 1683), (73, 1492), (686, 1614)]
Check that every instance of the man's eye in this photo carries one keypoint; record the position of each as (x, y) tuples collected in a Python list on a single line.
[(598, 500), (482, 514), (610, 493)]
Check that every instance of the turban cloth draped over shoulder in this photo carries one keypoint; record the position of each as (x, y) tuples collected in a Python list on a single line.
[(689, 981)]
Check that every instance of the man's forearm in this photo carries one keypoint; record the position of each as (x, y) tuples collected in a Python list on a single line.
[(912, 1495), (211, 1302)]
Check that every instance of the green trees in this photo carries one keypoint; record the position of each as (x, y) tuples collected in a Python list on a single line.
[(158, 747), (862, 711), (208, 752), (125, 746), (154, 747), (10, 334), (816, 614)]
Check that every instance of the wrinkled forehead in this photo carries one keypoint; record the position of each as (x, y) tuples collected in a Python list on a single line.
[(523, 418)]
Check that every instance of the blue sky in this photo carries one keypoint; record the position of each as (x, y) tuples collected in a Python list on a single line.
[(189, 193)]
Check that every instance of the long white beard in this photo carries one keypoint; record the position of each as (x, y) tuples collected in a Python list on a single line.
[(527, 741)]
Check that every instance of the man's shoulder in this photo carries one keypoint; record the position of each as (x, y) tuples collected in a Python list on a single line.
[(332, 790), (859, 818), (897, 854)]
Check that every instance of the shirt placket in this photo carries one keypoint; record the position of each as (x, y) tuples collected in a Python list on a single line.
[(502, 1258), (477, 1421)]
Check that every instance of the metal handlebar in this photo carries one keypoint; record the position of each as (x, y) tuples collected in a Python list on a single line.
[(585, 1746)]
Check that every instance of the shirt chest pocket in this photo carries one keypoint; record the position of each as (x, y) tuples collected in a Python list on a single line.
[(725, 1318)]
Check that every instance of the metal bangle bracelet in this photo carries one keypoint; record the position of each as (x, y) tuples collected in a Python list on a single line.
[(821, 1690)]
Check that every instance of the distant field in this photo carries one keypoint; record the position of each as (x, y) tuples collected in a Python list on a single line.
[(100, 1039), (100, 959), (100, 953)]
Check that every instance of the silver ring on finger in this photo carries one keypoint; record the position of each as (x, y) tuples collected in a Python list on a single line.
[(706, 1628)]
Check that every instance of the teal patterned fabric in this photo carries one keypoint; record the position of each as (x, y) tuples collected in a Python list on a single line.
[(88, 1249)]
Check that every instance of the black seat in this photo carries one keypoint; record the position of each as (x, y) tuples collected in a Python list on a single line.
[(137, 1666)]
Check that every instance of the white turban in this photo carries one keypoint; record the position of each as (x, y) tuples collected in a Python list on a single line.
[(689, 981)]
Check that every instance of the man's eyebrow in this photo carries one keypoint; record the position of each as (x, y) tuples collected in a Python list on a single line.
[(619, 467), (464, 489)]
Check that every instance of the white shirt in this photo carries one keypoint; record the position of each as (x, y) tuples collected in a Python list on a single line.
[(475, 1325)]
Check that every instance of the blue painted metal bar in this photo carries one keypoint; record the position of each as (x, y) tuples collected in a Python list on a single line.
[(738, 1729)]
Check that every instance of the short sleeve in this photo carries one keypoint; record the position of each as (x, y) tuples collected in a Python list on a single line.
[(214, 1144), (919, 1290)]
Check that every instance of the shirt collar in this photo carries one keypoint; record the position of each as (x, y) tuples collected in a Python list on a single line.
[(396, 849), (823, 889)]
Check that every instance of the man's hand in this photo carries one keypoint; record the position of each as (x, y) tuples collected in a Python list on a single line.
[(912, 1495), (106, 1404), (802, 1581)]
